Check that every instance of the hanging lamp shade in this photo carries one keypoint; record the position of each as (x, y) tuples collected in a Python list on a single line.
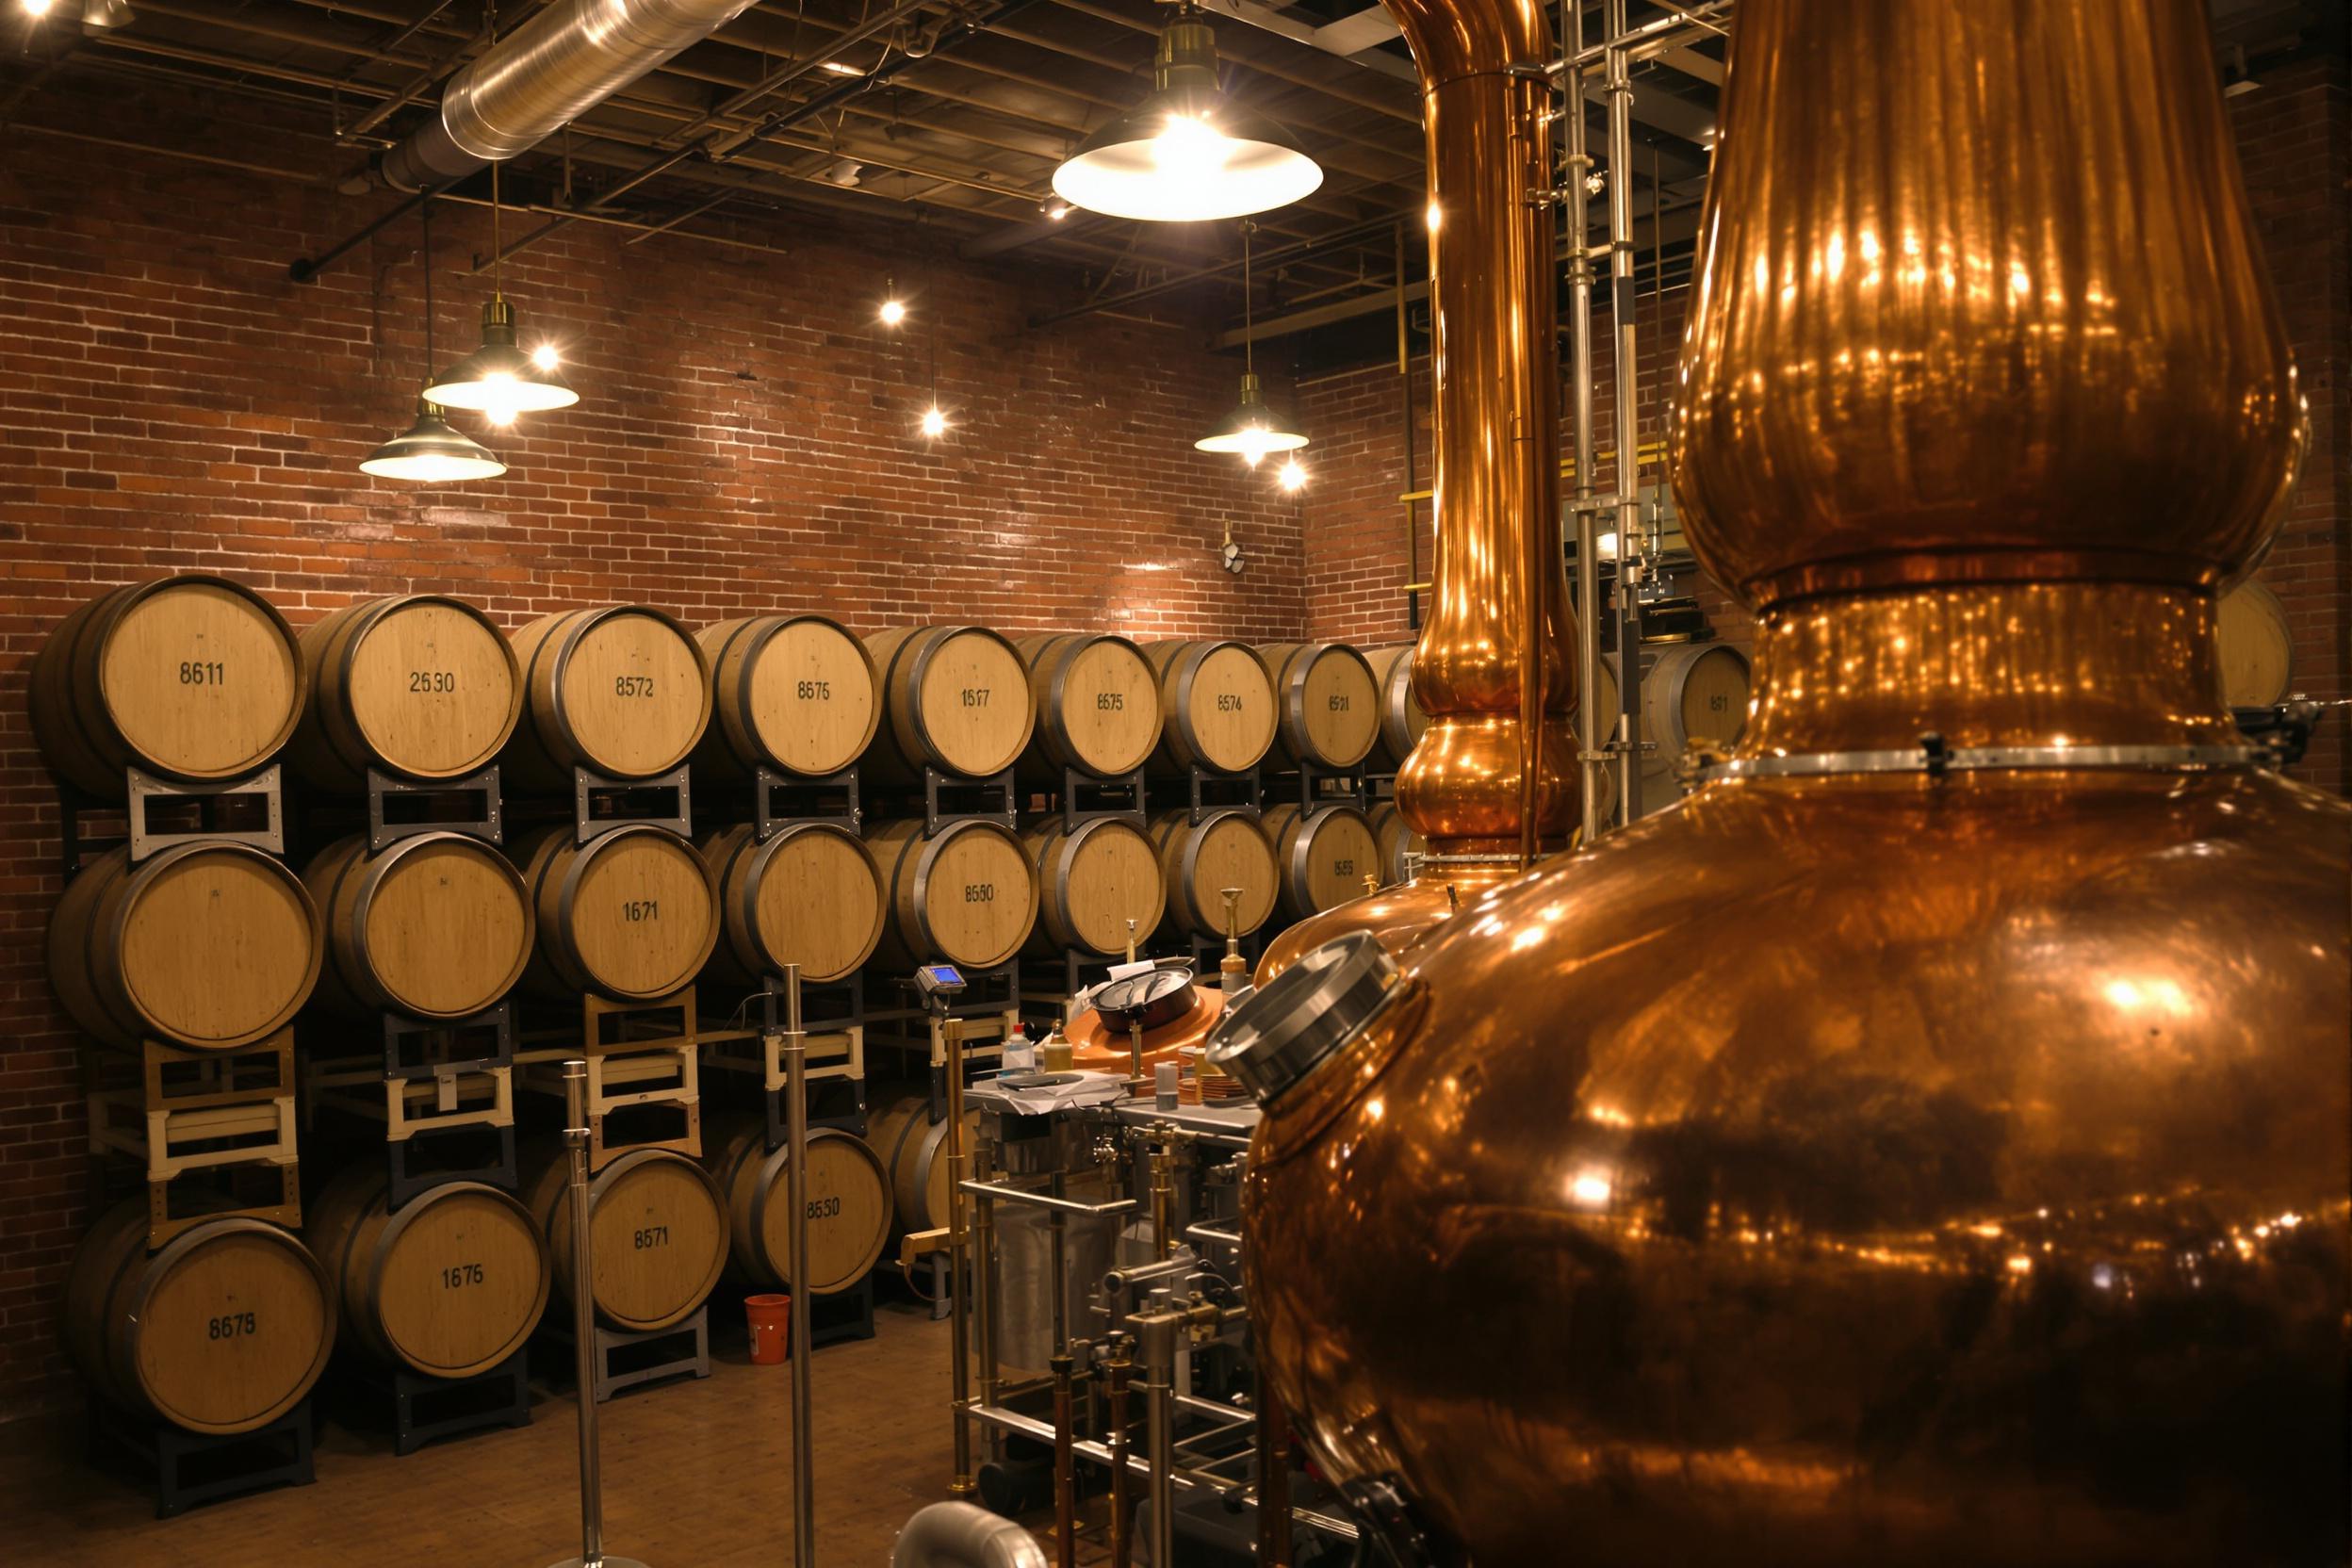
[(499, 378), (1251, 428), (430, 453), (1188, 153)]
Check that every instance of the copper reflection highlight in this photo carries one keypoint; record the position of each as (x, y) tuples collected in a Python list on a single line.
[(2009, 324), (1497, 573), (1868, 1169)]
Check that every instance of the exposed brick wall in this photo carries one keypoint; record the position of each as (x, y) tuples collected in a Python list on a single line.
[(746, 442), (2296, 143)]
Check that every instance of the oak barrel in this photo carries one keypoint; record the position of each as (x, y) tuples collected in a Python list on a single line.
[(1396, 839), (913, 1151), (209, 945), (1326, 702), (1322, 857), (1095, 701), (620, 689), (1092, 880), (1694, 692), (436, 926), (1216, 702), (660, 1233), (1401, 718), (2257, 651), (954, 698), (793, 693), (450, 1287), (192, 677), (630, 914), (422, 686), (223, 1330), (811, 895), (847, 1202), (968, 895), (1226, 849)]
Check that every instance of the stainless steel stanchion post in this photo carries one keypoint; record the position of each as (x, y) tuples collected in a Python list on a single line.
[(959, 1305), (591, 1553), (796, 1192)]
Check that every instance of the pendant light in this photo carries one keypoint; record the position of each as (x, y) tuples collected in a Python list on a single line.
[(1252, 428), (429, 451), (499, 378), (1188, 153)]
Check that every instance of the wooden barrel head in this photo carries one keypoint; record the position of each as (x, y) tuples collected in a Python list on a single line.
[(810, 702), (2257, 653), (431, 688), (1329, 704), (1106, 702), (1094, 881), (638, 912), (634, 693), (975, 894), (200, 679), (815, 899), (232, 1327), (913, 1151), (460, 1279), (849, 1213), (1225, 701), (220, 945), (1325, 857), (1228, 850), (661, 1239), (446, 928), (971, 691), (1698, 692)]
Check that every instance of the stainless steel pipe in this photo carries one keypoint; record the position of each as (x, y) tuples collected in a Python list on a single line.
[(959, 1305)]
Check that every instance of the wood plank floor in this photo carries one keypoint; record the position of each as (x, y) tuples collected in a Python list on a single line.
[(697, 1475)]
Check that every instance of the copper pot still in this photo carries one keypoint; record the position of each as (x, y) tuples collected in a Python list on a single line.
[(1901, 1153)]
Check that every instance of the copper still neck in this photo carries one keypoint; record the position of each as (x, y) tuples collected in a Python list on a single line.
[(1981, 302), (1495, 367)]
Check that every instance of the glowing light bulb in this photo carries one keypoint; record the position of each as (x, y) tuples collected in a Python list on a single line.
[(842, 67), (893, 312), (546, 357), (1435, 217), (36, 8), (1294, 475), (934, 422), (501, 399), (1190, 152), (1056, 210), (1255, 442)]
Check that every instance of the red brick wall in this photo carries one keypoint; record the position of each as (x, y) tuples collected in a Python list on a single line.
[(2296, 143), (745, 442)]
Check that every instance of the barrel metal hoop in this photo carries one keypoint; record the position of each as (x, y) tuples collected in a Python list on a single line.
[(1936, 760)]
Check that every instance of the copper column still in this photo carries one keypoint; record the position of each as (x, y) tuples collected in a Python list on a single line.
[(1495, 358), (1931, 1143)]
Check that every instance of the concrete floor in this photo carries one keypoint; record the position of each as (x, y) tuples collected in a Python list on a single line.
[(697, 1475)]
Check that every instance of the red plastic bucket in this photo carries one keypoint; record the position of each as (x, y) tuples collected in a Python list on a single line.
[(771, 1320)]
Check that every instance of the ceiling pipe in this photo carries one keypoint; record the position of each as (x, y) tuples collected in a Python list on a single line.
[(554, 67)]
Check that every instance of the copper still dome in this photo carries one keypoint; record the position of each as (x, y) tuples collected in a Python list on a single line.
[(1931, 1142)]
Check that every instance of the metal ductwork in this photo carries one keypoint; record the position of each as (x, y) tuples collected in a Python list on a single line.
[(554, 67), (957, 1535)]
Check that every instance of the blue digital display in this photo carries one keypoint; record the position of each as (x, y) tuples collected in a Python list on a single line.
[(943, 974)]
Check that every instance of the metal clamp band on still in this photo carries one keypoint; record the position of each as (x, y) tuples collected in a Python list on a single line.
[(1937, 760)]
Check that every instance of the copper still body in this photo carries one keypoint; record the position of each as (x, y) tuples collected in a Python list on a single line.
[(1498, 585), (1931, 1143)]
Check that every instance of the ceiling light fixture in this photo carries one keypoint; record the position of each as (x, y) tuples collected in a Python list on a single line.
[(101, 16), (893, 309), (933, 418), (1252, 428), (1294, 477), (842, 67), (1188, 153), (499, 378), (429, 451)]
